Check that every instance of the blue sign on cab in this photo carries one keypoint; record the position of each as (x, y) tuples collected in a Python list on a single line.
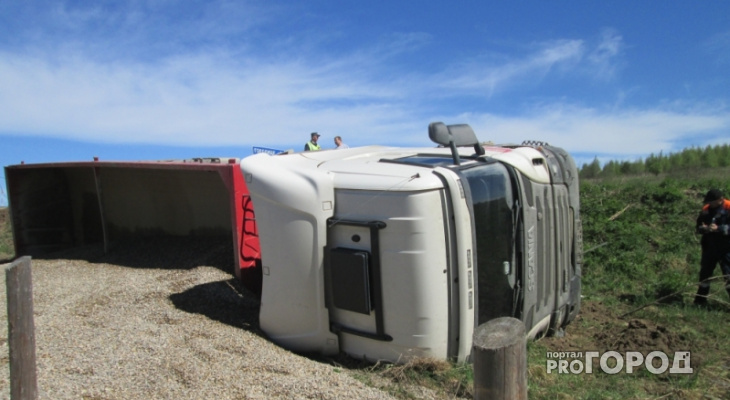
[(267, 150)]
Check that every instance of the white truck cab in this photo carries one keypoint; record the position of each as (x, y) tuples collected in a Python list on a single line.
[(392, 253)]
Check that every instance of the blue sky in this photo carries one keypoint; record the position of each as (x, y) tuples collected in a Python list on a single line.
[(128, 80)]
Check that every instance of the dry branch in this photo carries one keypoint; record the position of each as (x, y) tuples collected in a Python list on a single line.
[(618, 214)]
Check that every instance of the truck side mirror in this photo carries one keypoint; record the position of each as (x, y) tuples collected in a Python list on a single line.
[(454, 136), (439, 133)]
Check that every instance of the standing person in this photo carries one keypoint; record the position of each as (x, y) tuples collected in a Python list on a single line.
[(339, 144), (714, 225), (312, 145)]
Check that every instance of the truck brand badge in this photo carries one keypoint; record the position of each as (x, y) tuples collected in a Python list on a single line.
[(531, 258)]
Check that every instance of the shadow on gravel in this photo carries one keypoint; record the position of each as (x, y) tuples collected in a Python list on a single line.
[(230, 303), (227, 302)]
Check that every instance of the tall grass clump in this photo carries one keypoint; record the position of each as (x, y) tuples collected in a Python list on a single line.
[(7, 249)]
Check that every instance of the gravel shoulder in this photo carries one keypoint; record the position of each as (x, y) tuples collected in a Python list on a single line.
[(129, 325)]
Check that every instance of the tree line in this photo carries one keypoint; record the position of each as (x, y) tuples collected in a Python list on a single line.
[(690, 158)]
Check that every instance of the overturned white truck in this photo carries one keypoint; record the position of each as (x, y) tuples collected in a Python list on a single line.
[(392, 253)]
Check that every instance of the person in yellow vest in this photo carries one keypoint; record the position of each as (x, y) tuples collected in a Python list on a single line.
[(312, 145)]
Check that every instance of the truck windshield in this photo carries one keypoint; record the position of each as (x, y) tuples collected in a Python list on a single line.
[(492, 199)]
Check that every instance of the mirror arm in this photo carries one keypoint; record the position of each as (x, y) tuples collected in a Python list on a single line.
[(454, 153)]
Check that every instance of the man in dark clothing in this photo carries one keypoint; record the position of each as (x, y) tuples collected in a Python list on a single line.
[(714, 225)]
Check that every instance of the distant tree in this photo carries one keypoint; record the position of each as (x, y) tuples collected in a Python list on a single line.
[(710, 157), (691, 158), (592, 170), (674, 162), (611, 169), (656, 164), (630, 167), (625, 168), (638, 167), (724, 155)]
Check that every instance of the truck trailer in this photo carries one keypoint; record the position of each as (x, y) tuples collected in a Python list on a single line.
[(60, 206), (388, 253)]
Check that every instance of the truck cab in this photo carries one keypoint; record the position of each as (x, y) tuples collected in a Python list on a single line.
[(389, 253)]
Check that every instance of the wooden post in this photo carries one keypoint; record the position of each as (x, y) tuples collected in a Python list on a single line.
[(21, 330), (499, 351)]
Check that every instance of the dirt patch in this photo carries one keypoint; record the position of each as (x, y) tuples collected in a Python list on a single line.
[(600, 328), (644, 336), (581, 334)]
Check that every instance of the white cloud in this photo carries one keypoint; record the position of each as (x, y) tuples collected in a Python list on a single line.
[(211, 99), (719, 46), (622, 134), (189, 100), (487, 78), (604, 56), (567, 58)]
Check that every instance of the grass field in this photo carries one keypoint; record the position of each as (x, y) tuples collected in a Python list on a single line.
[(640, 275)]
